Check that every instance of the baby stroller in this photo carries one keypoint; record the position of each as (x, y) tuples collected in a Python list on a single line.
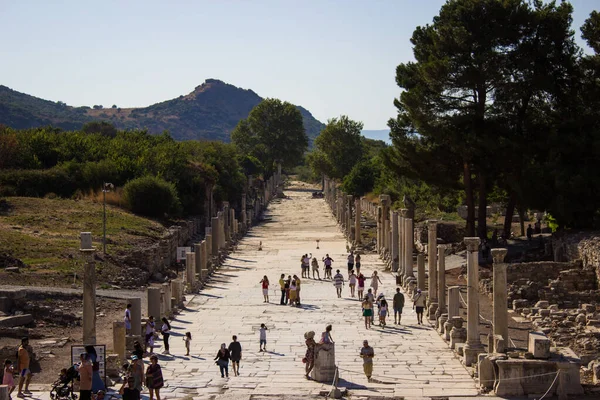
[(62, 389)]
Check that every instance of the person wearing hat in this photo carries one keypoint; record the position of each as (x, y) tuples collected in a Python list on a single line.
[(383, 311), (154, 377), (137, 372), (309, 357), (367, 353), (419, 305)]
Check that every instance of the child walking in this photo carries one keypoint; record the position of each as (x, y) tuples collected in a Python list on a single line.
[(8, 379), (263, 337), (187, 339)]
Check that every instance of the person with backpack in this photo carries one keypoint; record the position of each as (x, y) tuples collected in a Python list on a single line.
[(419, 305)]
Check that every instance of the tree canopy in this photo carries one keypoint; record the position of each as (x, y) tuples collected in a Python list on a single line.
[(272, 133)]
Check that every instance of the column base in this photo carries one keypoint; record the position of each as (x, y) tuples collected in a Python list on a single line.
[(433, 306), (472, 351)]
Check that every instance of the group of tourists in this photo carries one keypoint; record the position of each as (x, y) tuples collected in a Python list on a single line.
[(23, 359)]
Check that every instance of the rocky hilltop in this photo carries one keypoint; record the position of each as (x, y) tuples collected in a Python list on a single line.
[(209, 112)]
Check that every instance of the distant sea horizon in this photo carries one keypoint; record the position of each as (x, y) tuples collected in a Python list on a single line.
[(377, 134)]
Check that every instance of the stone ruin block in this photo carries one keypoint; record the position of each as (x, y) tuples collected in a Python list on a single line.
[(539, 345)]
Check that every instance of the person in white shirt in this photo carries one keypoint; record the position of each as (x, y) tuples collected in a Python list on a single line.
[(338, 280)]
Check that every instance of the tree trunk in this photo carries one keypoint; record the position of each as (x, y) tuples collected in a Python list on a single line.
[(522, 219), (469, 199), (482, 212), (510, 210)]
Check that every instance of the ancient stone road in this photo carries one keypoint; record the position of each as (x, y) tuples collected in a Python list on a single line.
[(410, 361)]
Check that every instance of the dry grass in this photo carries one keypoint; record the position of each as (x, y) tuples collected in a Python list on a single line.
[(114, 198)]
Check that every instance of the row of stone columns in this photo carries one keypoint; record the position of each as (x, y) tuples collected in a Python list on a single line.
[(345, 208)]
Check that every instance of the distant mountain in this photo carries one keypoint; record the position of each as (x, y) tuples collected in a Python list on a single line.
[(210, 112), (380, 134)]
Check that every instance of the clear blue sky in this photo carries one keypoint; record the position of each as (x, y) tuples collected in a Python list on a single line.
[(332, 57)]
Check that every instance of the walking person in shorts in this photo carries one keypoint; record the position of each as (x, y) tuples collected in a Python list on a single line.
[(338, 280), (23, 360), (352, 282), (361, 285), (350, 262), (357, 263), (367, 353), (265, 288), (398, 305), (235, 355), (419, 305), (327, 261), (263, 337)]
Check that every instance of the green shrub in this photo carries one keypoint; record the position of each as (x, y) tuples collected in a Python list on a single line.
[(38, 183), (151, 196)]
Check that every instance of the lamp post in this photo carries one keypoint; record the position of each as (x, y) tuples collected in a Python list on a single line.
[(106, 187)]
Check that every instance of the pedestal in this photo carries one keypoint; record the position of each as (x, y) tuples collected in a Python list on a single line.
[(153, 294), (324, 369), (136, 316), (119, 340)]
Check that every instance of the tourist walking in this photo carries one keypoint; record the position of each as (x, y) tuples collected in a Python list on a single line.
[(350, 262), (165, 330), (338, 282), (398, 304), (357, 263), (367, 312), (137, 372), (283, 300), (85, 377), (367, 353), (127, 389), (361, 285), (265, 288), (419, 305), (315, 268), (187, 339), (127, 319), (352, 283), (327, 261), (371, 298), (23, 359), (235, 354), (375, 281), (138, 350), (150, 329), (383, 311), (222, 358), (8, 377), (306, 264), (154, 377), (263, 337), (309, 357)]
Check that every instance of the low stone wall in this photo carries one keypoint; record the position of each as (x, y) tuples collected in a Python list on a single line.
[(538, 271), (584, 246)]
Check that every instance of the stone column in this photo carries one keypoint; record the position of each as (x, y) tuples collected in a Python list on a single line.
[(215, 236), (166, 291), (401, 243), (153, 294), (197, 258), (441, 292), (357, 213), (232, 223), (421, 272), (395, 241), (453, 302), (500, 316), (190, 271), (136, 315), (203, 261), (473, 347), (432, 261), (243, 212), (223, 238), (379, 229), (349, 202), (89, 303), (89, 288), (408, 248), (119, 340), (385, 209)]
